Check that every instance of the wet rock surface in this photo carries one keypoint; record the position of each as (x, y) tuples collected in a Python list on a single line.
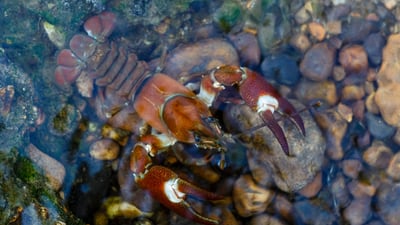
[(291, 173)]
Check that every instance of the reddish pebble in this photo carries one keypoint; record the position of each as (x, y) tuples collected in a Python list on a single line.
[(354, 59), (317, 30), (312, 188)]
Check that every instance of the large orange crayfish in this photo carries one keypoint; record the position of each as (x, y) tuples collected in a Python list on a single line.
[(174, 111)]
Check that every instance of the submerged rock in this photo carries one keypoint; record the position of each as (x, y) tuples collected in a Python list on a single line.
[(289, 173)]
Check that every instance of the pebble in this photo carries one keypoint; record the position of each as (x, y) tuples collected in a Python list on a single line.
[(199, 57), (354, 59), (345, 111), (338, 73), (265, 219), (396, 137), (378, 128), (313, 187), (338, 11), (352, 92), (283, 207), (389, 4), (104, 149), (317, 30), (249, 198), (334, 27), (312, 213), (358, 212), (334, 127), (351, 167), (339, 190), (357, 30), (388, 204), (318, 62), (258, 170), (282, 68), (358, 108), (302, 15), (378, 155), (373, 45), (388, 100), (247, 47), (53, 169), (301, 42), (359, 189), (309, 91), (387, 96), (393, 170), (371, 105)]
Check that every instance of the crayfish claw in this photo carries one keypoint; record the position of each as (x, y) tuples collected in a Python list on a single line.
[(273, 125), (294, 116)]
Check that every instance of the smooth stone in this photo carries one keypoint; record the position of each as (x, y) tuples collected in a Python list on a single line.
[(359, 189), (317, 30), (247, 47), (358, 212), (301, 42), (309, 91), (378, 155), (339, 190), (378, 128), (265, 219), (318, 62), (312, 188), (351, 167), (104, 149), (282, 68), (53, 169), (334, 126), (249, 198), (371, 105), (312, 213), (201, 56), (354, 59), (373, 45), (388, 204), (387, 98), (393, 170), (352, 92)]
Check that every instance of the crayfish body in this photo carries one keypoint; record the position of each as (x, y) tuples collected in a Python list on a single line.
[(174, 111)]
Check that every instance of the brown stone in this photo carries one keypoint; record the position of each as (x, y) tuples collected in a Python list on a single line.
[(104, 149), (317, 30), (301, 42), (387, 98), (393, 169), (351, 167), (249, 198), (353, 92), (53, 169), (318, 62), (378, 155), (309, 91), (354, 59), (312, 188)]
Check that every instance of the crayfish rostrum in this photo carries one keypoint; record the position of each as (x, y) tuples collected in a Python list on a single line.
[(176, 113)]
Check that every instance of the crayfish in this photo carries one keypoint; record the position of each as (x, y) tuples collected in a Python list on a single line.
[(174, 111)]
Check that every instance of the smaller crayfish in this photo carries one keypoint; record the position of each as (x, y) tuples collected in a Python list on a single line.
[(176, 113)]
